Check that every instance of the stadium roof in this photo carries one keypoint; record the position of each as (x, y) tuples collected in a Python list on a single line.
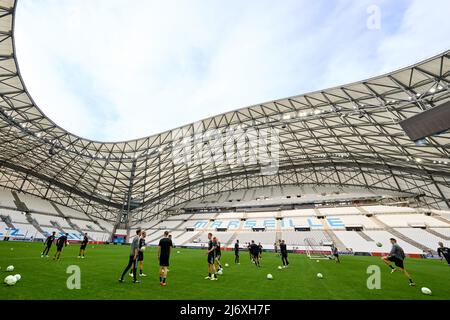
[(347, 136)]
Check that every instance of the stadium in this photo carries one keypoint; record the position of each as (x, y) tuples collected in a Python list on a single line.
[(348, 168)]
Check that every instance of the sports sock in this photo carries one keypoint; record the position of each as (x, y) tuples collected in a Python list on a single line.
[(209, 274), (391, 267), (164, 280), (410, 281)]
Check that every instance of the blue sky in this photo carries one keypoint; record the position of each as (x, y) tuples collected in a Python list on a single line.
[(110, 72)]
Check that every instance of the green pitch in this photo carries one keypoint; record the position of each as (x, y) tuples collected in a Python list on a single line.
[(46, 279)]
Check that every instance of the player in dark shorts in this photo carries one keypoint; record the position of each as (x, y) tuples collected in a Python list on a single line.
[(84, 243), (335, 253), (164, 248), (397, 256), (444, 252), (140, 258), (211, 257), (60, 244), (236, 252), (254, 249), (48, 244), (249, 247), (284, 254), (133, 257), (275, 247), (218, 254)]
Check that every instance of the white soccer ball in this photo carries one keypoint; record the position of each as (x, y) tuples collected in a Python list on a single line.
[(10, 268), (143, 249), (227, 265), (178, 251), (18, 277), (10, 280), (379, 244), (426, 291), (280, 267), (220, 272), (319, 275), (317, 260), (269, 277)]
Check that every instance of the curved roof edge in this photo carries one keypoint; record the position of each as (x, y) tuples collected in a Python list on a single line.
[(200, 120)]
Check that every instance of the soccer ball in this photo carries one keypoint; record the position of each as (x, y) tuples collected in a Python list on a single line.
[(426, 291), (142, 249), (269, 277), (18, 277), (178, 251), (10, 268), (220, 271), (317, 260), (379, 244), (10, 280), (319, 275), (227, 265), (279, 268)]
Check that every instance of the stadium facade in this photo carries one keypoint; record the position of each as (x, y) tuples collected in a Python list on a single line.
[(344, 138)]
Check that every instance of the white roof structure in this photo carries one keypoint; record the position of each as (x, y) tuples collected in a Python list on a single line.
[(348, 136)]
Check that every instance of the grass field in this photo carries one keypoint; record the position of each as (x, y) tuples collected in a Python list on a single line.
[(46, 279)]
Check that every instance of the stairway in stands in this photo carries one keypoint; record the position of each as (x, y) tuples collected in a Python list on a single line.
[(337, 242), (278, 236), (180, 234), (399, 235), (232, 239), (77, 228), (364, 236), (57, 209), (159, 235), (331, 235), (21, 206), (101, 227), (7, 221), (182, 222), (35, 224), (437, 217), (362, 210), (191, 239), (149, 234), (57, 226), (437, 234)]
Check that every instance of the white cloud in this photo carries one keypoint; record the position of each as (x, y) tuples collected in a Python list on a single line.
[(424, 32), (107, 71)]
